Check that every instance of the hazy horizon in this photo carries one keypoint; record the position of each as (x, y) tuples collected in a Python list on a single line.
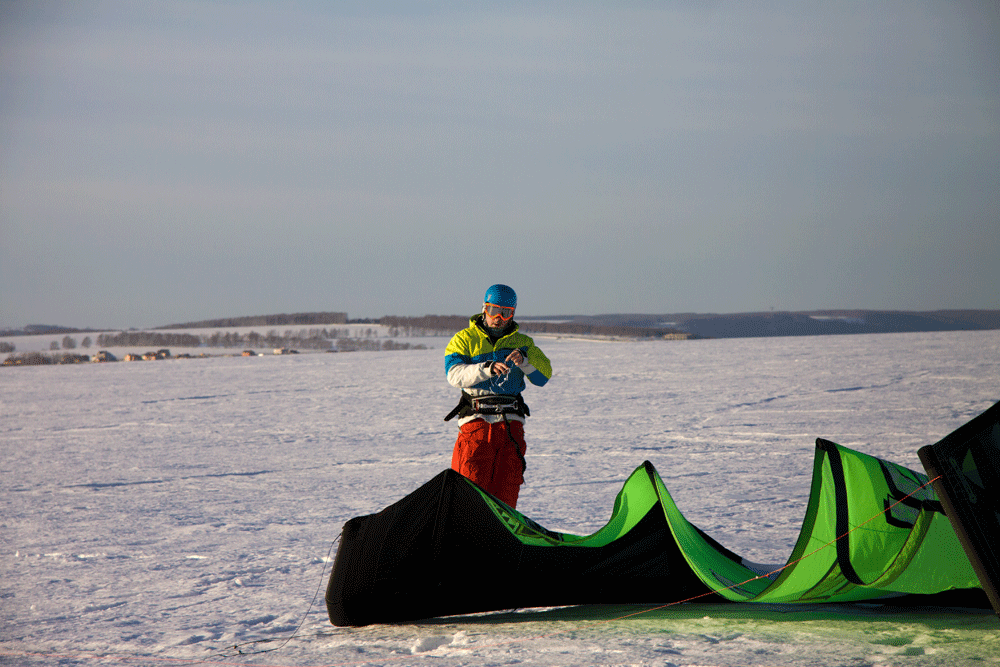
[(355, 319)]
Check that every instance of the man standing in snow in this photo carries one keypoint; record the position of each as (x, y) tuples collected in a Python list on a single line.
[(489, 361)]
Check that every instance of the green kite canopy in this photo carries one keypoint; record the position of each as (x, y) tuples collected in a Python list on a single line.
[(872, 530)]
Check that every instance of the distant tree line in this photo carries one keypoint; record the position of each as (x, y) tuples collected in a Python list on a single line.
[(147, 339), (40, 329), (282, 319), (40, 359), (68, 343), (311, 340), (303, 339), (428, 325)]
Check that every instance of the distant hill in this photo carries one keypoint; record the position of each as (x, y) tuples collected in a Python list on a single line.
[(283, 319), (42, 329), (809, 323)]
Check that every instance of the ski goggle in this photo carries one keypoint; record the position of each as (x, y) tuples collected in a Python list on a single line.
[(504, 312)]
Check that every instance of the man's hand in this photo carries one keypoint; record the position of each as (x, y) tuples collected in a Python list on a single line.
[(515, 358)]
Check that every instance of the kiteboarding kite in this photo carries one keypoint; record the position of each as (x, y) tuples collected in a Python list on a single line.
[(965, 470), (872, 530)]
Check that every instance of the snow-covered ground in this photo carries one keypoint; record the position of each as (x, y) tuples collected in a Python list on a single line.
[(163, 512)]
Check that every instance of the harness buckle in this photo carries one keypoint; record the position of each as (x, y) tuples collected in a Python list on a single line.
[(495, 405)]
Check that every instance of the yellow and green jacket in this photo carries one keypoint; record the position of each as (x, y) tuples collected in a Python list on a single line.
[(470, 353)]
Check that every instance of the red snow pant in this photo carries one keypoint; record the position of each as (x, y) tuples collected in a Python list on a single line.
[(485, 454)]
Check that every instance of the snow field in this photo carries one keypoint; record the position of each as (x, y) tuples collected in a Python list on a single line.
[(163, 511)]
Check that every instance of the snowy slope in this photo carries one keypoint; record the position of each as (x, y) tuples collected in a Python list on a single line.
[(160, 512)]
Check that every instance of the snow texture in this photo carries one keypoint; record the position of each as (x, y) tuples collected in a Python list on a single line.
[(185, 511)]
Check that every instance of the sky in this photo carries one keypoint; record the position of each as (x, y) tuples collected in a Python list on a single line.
[(174, 161)]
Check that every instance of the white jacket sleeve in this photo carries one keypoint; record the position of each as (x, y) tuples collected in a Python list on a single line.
[(464, 376)]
